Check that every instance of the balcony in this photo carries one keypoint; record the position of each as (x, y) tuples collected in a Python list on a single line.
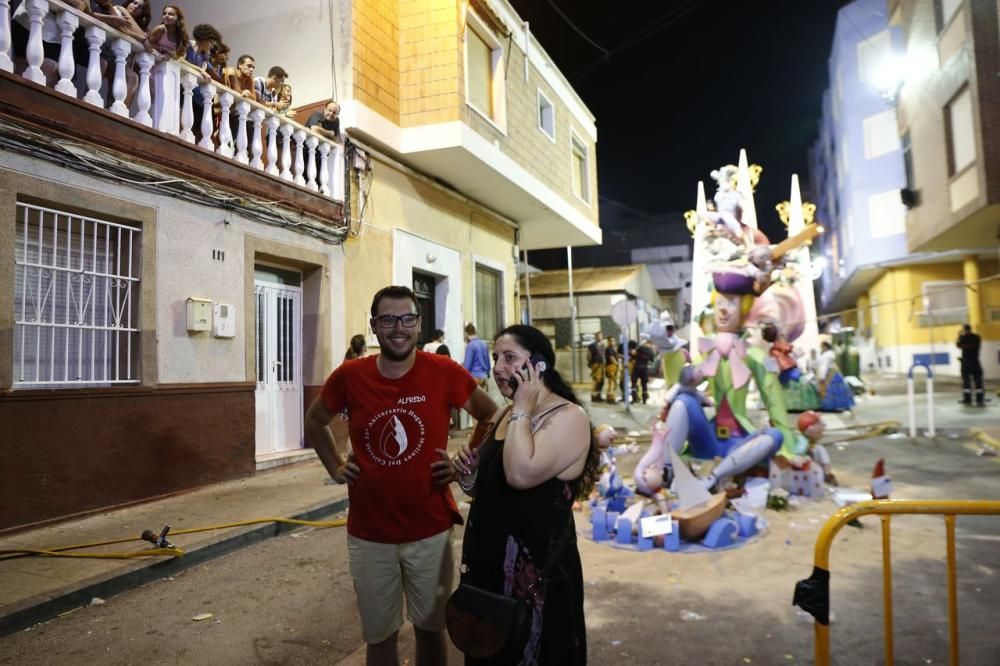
[(299, 171)]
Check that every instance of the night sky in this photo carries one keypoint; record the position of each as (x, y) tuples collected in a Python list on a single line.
[(719, 76)]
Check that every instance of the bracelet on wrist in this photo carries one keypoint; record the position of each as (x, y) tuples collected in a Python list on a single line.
[(515, 416), (467, 481)]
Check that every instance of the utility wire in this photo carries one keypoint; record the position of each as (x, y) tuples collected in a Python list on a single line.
[(576, 29)]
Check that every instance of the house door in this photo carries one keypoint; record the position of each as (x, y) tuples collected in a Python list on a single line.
[(279, 360), (423, 289)]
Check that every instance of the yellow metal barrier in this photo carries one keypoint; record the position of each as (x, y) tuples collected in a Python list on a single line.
[(813, 593)]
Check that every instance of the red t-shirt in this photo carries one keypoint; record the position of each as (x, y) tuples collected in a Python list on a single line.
[(396, 425)]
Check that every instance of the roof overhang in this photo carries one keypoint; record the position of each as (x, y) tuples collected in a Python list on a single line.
[(454, 153)]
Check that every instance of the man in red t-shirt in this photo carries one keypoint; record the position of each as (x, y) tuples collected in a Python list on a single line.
[(401, 508)]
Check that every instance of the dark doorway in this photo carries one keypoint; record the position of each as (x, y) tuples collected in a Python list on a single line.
[(423, 288)]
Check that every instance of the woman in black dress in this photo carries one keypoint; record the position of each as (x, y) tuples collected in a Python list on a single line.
[(538, 458)]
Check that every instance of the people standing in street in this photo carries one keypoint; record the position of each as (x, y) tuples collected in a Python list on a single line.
[(398, 474), (644, 355), (477, 356), (596, 361), (972, 371), (612, 364)]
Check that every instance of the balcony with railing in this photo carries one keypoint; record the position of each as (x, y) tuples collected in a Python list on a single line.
[(251, 151)]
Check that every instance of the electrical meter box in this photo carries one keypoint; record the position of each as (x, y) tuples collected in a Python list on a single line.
[(199, 314), (224, 321)]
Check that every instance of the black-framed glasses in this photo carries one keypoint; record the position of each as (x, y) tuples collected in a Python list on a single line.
[(389, 321)]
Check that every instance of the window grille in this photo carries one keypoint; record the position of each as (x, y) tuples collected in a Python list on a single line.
[(76, 282)]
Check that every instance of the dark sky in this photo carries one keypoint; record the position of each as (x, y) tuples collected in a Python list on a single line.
[(719, 76)]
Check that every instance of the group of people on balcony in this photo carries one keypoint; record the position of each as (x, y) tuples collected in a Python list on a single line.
[(204, 48)]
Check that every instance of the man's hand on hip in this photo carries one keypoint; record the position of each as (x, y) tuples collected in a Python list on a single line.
[(348, 472), (443, 471)]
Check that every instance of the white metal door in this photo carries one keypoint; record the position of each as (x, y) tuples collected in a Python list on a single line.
[(279, 373)]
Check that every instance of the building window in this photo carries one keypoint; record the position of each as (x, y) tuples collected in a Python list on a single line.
[(943, 303), (546, 116), (76, 287), (484, 74), (886, 214), (944, 11), (489, 301), (873, 55), (960, 133), (907, 148), (580, 166), (881, 134)]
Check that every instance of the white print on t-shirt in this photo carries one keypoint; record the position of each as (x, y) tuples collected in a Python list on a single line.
[(410, 399), (394, 430)]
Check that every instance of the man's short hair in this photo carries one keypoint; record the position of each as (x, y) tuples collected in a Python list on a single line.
[(470, 328), (395, 292), (243, 58), (967, 328), (220, 48), (203, 32), (438, 333), (277, 72)]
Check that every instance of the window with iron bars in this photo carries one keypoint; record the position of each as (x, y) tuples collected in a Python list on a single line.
[(76, 287)]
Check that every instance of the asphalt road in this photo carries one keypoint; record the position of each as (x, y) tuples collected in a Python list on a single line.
[(290, 601)]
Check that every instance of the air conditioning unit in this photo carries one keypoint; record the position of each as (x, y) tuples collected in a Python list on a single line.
[(910, 198)]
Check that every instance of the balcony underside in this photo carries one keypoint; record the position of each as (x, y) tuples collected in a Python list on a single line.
[(42, 109), (981, 229)]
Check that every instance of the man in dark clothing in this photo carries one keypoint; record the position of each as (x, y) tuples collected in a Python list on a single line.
[(595, 359), (326, 123), (644, 355), (972, 371)]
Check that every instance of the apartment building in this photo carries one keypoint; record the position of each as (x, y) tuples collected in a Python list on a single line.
[(177, 288)]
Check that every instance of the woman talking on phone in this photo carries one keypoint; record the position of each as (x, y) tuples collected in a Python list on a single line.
[(524, 476)]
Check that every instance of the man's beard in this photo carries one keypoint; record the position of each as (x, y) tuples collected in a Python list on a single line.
[(393, 355)]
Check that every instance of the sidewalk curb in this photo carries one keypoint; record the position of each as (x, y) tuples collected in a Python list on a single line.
[(40, 609)]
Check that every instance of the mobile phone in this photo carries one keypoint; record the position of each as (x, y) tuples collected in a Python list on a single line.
[(537, 361)]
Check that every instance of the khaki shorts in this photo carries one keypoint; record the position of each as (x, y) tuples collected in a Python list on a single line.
[(382, 572)]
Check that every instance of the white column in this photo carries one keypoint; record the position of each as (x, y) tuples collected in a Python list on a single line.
[(257, 147), (299, 167), (337, 172), (67, 22), (272, 145), (286, 151), (225, 132), (166, 86), (207, 91), (6, 64), (37, 9), (143, 99), (188, 82), (121, 50), (311, 143), (242, 111), (324, 167), (95, 39)]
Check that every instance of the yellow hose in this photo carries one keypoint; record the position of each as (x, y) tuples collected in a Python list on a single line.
[(155, 552), (868, 430)]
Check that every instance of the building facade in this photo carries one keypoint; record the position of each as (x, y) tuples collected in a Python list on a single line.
[(900, 175), (177, 286)]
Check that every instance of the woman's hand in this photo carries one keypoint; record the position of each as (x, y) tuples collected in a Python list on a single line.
[(467, 460), (529, 385)]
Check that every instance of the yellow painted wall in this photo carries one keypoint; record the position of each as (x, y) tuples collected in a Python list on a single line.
[(399, 200), (430, 75), (375, 28), (899, 297), (990, 297)]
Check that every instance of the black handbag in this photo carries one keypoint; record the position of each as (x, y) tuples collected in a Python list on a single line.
[(487, 625)]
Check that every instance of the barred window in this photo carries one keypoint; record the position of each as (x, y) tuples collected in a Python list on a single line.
[(76, 289)]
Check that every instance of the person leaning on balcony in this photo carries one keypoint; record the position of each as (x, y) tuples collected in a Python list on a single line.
[(20, 26), (240, 78), (120, 18), (266, 90), (218, 63), (326, 123), (284, 105), (204, 39), (170, 36)]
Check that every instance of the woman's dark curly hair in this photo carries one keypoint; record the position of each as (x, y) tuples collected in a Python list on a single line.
[(537, 343)]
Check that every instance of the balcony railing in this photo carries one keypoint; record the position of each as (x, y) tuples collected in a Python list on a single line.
[(164, 99)]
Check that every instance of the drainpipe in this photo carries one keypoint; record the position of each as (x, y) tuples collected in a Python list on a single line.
[(572, 312)]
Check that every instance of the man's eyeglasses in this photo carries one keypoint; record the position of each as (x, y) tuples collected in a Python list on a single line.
[(389, 321)]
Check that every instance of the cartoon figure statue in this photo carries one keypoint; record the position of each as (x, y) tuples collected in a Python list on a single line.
[(811, 426)]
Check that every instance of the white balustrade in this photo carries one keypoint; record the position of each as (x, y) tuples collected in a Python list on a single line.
[(324, 167), (121, 50), (188, 82), (272, 145), (67, 23), (311, 144), (286, 151), (144, 60), (166, 81), (225, 131), (37, 9), (242, 112), (95, 39), (337, 172), (256, 145), (6, 64), (207, 91), (299, 166)]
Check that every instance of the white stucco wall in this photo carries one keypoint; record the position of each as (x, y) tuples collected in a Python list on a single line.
[(187, 233)]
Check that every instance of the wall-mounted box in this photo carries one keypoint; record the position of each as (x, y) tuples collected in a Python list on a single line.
[(199, 314), (224, 321)]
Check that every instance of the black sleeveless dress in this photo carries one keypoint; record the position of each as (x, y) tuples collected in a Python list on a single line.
[(506, 544)]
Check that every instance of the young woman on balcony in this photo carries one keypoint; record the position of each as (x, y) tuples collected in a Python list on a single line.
[(121, 18), (170, 37)]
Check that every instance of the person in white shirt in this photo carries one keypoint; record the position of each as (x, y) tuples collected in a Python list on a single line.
[(437, 339)]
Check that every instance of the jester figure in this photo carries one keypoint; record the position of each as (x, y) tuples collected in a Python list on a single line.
[(729, 364)]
